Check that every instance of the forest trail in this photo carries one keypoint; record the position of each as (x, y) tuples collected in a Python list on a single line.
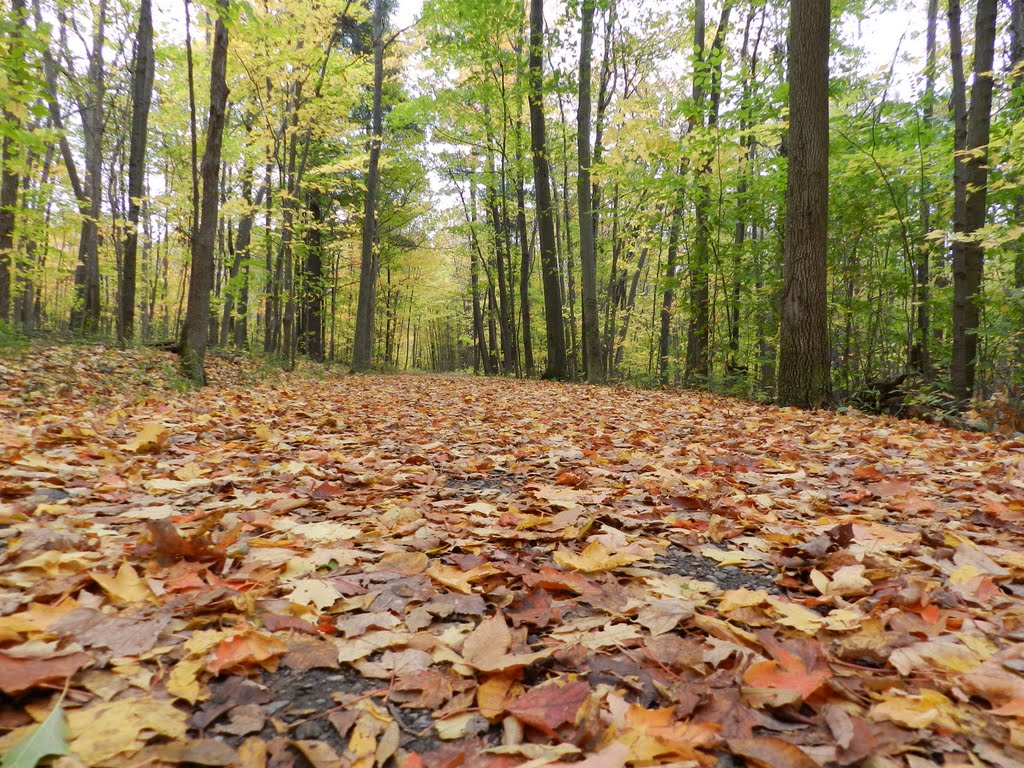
[(410, 568)]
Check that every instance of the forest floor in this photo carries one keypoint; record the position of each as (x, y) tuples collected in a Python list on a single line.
[(293, 570)]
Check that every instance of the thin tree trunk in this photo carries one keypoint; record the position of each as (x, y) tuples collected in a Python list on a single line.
[(362, 345), (524, 274), (920, 355), (142, 94), (593, 360), (196, 331), (193, 125), (698, 361), (10, 180), (554, 320), (1017, 102), (668, 295)]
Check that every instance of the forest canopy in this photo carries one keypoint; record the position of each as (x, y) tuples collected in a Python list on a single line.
[(690, 193)]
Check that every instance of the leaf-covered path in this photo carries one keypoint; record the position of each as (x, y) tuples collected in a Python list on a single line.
[(440, 571)]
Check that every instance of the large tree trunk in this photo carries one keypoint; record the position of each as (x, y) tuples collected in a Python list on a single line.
[(196, 330), (971, 180), (142, 93), (362, 346), (804, 377), (553, 320), (593, 360)]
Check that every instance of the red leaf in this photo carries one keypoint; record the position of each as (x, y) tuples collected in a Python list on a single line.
[(550, 706)]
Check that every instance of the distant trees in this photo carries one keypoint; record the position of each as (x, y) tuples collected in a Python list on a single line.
[(626, 168)]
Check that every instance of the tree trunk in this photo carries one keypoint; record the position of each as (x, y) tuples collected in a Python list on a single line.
[(10, 180), (142, 95), (554, 322), (196, 330), (971, 190), (500, 258), (669, 292), (524, 276), (1017, 61), (311, 324), (85, 313), (593, 360), (362, 346), (804, 377)]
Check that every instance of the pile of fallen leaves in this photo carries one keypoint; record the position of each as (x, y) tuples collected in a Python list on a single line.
[(442, 571)]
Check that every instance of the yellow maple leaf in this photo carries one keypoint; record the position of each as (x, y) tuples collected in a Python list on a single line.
[(151, 436), (920, 711), (126, 587), (596, 557), (104, 730)]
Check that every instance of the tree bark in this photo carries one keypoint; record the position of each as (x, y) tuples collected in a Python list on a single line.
[(553, 320), (196, 329), (362, 346), (670, 290), (972, 190), (1017, 102), (10, 179), (524, 275), (311, 322), (804, 379), (142, 94), (593, 360)]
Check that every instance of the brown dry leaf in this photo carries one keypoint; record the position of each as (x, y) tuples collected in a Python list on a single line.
[(550, 706), (20, 675), (770, 752), (486, 648)]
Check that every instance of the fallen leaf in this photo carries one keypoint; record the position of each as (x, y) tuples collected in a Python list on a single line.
[(770, 752), (48, 739), (20, 675), (550, 706)]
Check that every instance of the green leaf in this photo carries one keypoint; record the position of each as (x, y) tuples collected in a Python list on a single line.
[(47, 739)]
